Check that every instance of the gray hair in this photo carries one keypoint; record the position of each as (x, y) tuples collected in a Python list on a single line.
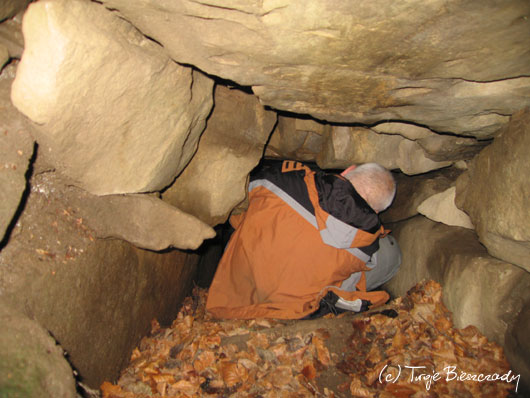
[(375, 184)]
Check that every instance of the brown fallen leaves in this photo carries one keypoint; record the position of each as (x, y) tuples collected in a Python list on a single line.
[(190, 360), (418, 353), (197, 356)]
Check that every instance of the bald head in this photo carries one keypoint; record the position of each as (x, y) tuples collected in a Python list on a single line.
[(374, 183)]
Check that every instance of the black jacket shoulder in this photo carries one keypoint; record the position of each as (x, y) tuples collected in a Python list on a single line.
[(336, 195)]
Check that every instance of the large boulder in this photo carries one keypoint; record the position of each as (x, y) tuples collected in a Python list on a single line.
[(496, 194), (114, 113), (97, 297), (453, 66), (479, 289), (216, 179)]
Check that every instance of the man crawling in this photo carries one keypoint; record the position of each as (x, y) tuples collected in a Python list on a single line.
[(309, 243)]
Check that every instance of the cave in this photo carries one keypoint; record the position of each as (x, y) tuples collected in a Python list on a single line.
[(129, 129)]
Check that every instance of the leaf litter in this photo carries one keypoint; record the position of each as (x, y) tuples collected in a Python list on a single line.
[(409, 348)]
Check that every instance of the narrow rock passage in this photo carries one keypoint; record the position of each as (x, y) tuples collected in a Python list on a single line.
[(408, 348)]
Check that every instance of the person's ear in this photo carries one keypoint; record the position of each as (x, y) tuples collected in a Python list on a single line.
[(348, 170)]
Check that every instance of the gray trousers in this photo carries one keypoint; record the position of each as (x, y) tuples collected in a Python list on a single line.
[(384, 265)]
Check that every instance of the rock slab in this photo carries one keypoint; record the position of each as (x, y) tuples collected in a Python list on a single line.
[(215, 181), (495, 192), (114, 113), (441, 208), (143, 220), (452, 66)]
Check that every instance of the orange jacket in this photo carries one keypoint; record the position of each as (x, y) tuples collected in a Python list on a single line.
[(287, 252)]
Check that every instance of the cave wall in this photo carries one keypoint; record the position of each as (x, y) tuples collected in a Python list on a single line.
[(128, 129), (96, 297)]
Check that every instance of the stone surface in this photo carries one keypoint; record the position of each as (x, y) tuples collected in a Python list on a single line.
[(145, 221), (9, 8), (232, 145), (4, 56), (441, 148), (517, 341), (412, 160), (441, 208), (295, 138), (345, 146), (407, 130), (16, 149), (114, 112), (411, 148), (459, 67), (11, 36), (96, 296), (413, 190), (480, 290), (348, 145), (32, 365), (496, 194)]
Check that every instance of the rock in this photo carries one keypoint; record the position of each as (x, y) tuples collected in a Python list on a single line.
[(450, 148), (4, 56), (449, 66), (441, 208), (338, 146), (11, 36), (145, 221), (298, 139), (517, 342), (16, 150), (115, 114), (349, 145), (407, 130), (32, 365), (9, 8), (232, 145), (496, 194), (480, 290), (412, 160), (345, 146), (96, 296), (413, 190)]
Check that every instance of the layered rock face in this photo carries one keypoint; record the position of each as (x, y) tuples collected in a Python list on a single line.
[(133, 125), (96, 296), (356, 62), (496, 193)]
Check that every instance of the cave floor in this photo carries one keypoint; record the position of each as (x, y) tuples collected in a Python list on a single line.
[(407, 348)]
